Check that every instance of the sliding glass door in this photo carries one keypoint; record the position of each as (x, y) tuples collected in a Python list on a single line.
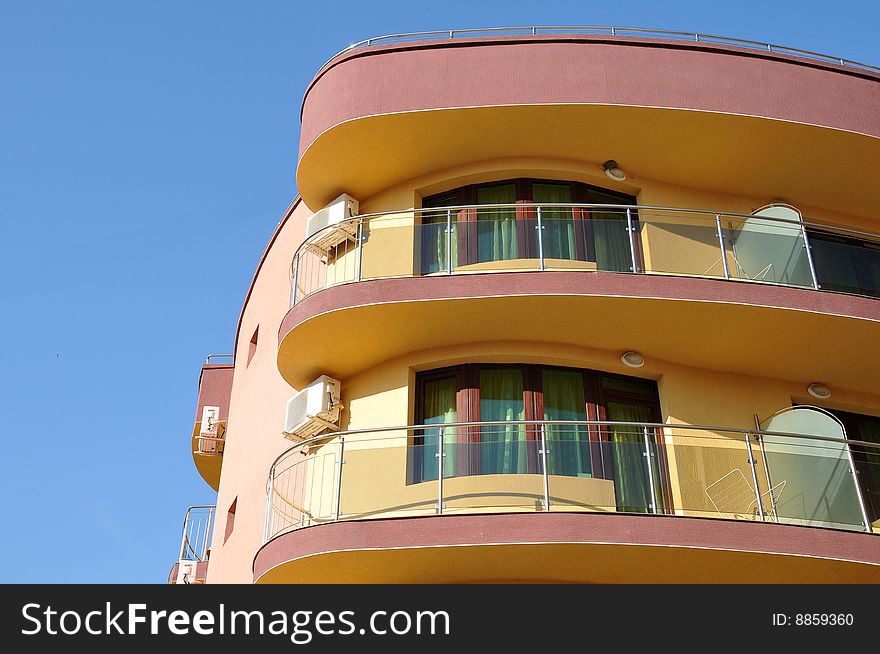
[(507, 233), (438, 407), (846, 264), (563, 397), (563, 236), (432, 236), (505, 394), (635, 457), (496, 228), (502, 447)]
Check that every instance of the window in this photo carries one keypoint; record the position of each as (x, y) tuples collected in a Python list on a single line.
[(846, 264), (230, 520), (505, 233), (252, 346), (509, 393)]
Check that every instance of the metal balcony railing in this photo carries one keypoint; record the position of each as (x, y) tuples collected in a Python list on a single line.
[(228, 358), (600, 237), (198, 525), (562, 465), (602, 31)]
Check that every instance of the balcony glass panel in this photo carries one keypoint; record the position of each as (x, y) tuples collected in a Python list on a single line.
[(438, 408), (634, 468), (497, 237), (499, 472), (680, 243), (768, 251), (563, 399), (635, 460), (815, 483), (815, 476), (432, 235)]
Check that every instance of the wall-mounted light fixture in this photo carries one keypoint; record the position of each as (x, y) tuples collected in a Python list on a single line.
[(632, 359), (613, 171), (819, 391)]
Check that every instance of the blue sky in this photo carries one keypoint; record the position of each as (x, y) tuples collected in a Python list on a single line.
[(147, 151)]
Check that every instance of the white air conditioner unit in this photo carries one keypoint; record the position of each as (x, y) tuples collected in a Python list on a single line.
[(186, 572), (211, 432), (313, 410), (210, 416), (329, 226)]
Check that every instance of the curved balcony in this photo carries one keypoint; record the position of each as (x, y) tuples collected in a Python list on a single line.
[(685, 109), (426, 487), (764, 247), (195, 546), (707, 275), (209, 431)]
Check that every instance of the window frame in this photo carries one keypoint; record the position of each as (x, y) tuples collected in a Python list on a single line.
[(527, 248), (861, 272)]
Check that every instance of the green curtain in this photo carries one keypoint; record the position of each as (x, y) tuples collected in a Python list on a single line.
[(432, 236), (502, 447), (612, 243), (631, 479), (439, 408), (569, 445), (496, 228), (559, 227)]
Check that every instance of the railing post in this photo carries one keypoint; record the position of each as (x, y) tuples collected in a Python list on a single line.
[(545, 471), (810, 256), (632, 242), (339, 476), (752, 463), (723, 246), (295, 278), (757, 435), (360, 249), (540, 228), (449, 241), (648, 454), (440, 454), (267, 532), (209, 536), (183, 536)]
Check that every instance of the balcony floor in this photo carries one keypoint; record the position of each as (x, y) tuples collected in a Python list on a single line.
[(738, 327)]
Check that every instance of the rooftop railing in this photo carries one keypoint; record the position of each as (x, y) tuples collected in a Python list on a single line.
[(227, 358), (603, 31), (522, 466), (589, 237)]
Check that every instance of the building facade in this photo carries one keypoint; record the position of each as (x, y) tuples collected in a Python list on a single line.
[(559, 305)]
